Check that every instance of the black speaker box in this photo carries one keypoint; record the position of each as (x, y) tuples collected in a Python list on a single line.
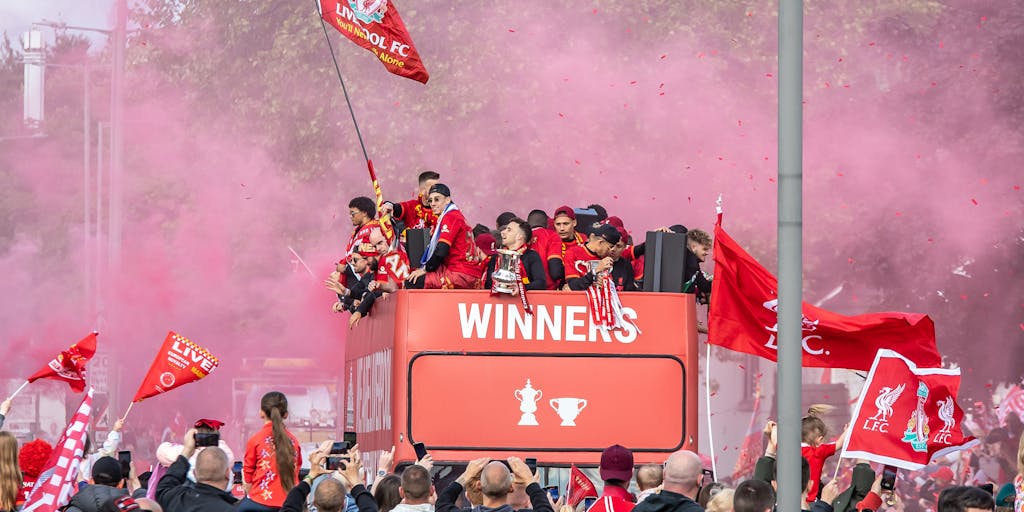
[(664, 260), (416, 243)]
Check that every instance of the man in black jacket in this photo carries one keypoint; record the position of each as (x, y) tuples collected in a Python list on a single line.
[(329, 495), (496, 482), (212, 472), (106, 477), (682, 469)]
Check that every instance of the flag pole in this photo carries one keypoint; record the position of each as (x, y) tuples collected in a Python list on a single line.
[(707, 401), (127, 411), (18, 391), (344, 89)]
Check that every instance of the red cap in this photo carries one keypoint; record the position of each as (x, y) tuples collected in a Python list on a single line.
[(564, 210), (214, 424), (616, 463), (486, 243), (615, 221)]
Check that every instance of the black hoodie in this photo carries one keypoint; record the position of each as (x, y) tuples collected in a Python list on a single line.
[(667, 501), (92, 497)]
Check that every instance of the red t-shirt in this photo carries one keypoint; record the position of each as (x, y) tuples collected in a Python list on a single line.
[(816, 456), (417, 216), (259, 467), (394, 267), (575, 261), (463, 256), (577, 239), (547, 244)]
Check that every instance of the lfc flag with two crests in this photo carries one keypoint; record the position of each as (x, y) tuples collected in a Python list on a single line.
[(742, 317), (179, 362), (376, 26), (906, 416), (69, 365)]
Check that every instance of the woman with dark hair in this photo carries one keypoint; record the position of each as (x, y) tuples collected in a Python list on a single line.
[(385, 492), (10, 473), (272, 458)]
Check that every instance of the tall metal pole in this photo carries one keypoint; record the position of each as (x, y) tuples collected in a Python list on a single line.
[(86, 188), (119, 41), (790, 220)]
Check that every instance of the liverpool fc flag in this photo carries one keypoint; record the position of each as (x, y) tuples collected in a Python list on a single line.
[(376, 26), (69, 365), (906, 416), (743, 317)]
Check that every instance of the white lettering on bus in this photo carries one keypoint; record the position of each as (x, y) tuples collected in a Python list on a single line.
[(508, 321)]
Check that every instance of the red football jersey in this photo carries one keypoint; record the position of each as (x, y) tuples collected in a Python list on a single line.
[(547, 244), (417, 216), (578, 239), (575, 261), (463, 256), (360, 241), (394, 267)]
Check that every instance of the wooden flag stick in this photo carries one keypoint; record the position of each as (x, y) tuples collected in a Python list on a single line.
[(128, 411), (18, 391)]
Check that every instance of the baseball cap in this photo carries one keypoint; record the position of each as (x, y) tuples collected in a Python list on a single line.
[(440, 188), (614, 221), (1005, 496), (564, 210), (106, 471), (607, 232), (214, 424), (617, 463)]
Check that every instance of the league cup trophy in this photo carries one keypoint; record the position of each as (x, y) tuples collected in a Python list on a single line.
[(528, 398), (504, 275), (568, 409)]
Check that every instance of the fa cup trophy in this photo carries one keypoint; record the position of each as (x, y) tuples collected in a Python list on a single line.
[(528, 398), (504, 275)]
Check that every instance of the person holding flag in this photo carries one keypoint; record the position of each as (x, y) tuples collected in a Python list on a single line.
[(452, 260)]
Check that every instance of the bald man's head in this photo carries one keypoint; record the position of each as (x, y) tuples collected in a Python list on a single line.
[(682, 472), (212, 467), (496, 481)]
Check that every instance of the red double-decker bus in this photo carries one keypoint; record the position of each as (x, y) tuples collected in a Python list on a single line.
[(471, 375)]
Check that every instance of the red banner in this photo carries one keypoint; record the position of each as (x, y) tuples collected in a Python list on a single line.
[(911, 415), (69, 365), (742, 317), (579, 487), (376, 26), (53, 488), (179, 362)]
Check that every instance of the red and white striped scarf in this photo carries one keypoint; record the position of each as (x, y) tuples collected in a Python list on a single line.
[(605, 307)]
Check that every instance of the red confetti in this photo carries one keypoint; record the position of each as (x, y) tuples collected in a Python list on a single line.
[(661, 94), (664, 56), (1021, 325), (561, 114), (243, 184), (771, 180), (577, 162), (632, 82), (739, 122), (975, 201), (661, 85), (871, 44), (689, 199), (595, 11), (963, 297), (849, 260), (1016, 187), (839, 174), (899, 214), (742, 367), (511, 30), (769, 75), (840, 59), (615, 196), (931, 240), (713, 393)]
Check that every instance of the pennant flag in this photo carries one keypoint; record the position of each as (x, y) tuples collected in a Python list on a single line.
[(911, 416), (376, 26), (69, 365), (179, 362), (743, 317), (53, 488), (579, 487)]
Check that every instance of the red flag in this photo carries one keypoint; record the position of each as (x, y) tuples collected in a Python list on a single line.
[(579, 487), (744, 299), (53, 488), (376, 26), (69, 365), (911, 416), (179, 362)]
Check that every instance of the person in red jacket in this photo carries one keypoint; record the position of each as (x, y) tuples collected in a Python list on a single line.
[(416, 213), (452, 260), (272, 458), (616, 470)]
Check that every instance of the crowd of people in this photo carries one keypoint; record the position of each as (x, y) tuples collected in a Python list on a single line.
[(573, 249), (199, 475)]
